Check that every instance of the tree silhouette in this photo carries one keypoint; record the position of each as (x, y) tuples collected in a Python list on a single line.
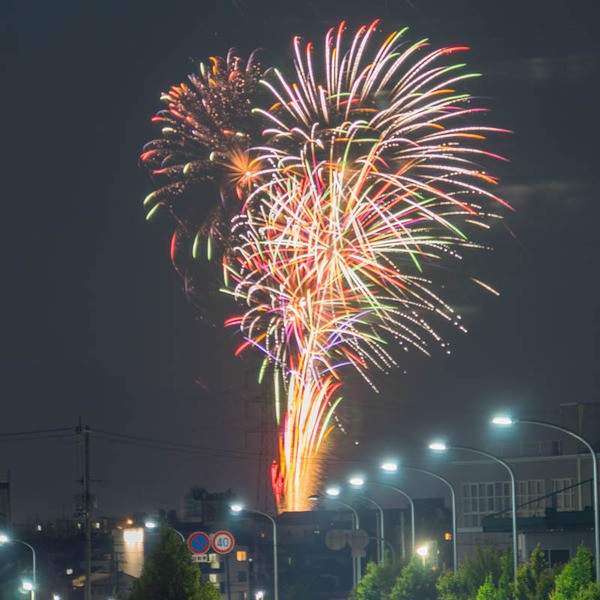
[(169, 573)]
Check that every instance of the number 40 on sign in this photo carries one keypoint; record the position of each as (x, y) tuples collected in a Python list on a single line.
[(223, 542)]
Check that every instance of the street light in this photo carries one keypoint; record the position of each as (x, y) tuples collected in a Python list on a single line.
[(238, 508), (355, 518), (423, 552), (333, 491), (358, 483), (442, 447), (356, 564), (392, 467), (508, 421), (153, 525), (27, 585), (410, 503)]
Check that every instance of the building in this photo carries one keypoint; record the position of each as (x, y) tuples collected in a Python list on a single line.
[(202, 506), (554, 488)]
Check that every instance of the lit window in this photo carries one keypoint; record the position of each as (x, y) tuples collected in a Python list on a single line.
[(69, 571), (241, 556), (448, 536), (39, 527)]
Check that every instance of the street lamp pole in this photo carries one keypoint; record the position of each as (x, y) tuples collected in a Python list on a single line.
[(236, 508), (392, 467), (513, 489), (356, 564), (410, 503), (507, 421), (381, 545), (154, 525), (33, 567), (4, 539)]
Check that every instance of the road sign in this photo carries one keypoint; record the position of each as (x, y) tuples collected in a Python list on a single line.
[(358, 540), (223, 542), (200, 558), (336, 539), (198, 542)]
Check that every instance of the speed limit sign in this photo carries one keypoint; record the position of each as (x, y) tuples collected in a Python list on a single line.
[(222, 542)]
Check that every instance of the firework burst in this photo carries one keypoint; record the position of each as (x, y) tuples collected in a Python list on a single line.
[(207, 130), (372, 180), (368, 176)]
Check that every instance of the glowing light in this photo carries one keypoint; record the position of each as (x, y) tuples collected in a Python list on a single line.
[(503, 420), (356, 481), (133, 536), (438, 446), (389, 467)]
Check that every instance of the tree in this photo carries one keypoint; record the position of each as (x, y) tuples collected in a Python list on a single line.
[(169, 574), (576, 581), (473, 573), (209, 592), (535, 580), (453, 586), (377, 581), (489, 591), (415, 581)]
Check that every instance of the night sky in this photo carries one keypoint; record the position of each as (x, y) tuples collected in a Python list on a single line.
[(97, 325)]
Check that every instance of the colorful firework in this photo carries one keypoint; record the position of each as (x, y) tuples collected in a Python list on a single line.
[(207, 131), (369, 177)]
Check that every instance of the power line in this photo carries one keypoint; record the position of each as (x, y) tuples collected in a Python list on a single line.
[(37, 434), (169, 445)]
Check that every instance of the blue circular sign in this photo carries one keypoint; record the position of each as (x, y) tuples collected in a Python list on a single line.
[(199, 542)]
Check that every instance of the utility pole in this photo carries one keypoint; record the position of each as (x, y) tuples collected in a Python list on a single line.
[(85, 508)]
